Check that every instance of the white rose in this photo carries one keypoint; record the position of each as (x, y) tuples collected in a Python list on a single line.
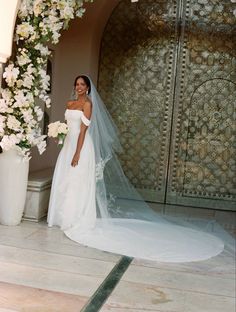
[(53, 129), (63, 128), (24, 30)]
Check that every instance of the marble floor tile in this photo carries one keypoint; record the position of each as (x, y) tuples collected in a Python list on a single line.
[(51, 261), (54, 280), (139, 296), (221, 265), (44, 261), (58, 247), (16, 231), (184, 281), (196, 302), (28, 299)]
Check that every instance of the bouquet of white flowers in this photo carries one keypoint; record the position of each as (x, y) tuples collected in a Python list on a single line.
[(58, 130)]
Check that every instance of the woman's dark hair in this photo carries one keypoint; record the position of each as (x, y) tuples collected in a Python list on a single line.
[(86, 80)]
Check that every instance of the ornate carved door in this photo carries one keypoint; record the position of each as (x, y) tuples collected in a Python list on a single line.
[(168, 77)]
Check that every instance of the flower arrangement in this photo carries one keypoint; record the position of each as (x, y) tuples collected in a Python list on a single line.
[(58, 130), (39, 22)]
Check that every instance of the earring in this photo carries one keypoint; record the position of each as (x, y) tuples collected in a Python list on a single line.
[(87, 92)]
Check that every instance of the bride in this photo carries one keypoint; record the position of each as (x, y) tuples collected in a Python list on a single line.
[(95, 205)]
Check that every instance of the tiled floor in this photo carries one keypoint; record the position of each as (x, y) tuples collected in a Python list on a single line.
[(41, 270)]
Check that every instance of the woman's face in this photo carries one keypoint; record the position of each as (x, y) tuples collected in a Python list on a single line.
[(81, 87)]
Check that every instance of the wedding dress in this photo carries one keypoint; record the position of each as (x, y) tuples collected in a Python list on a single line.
[(72, 197), (83, 204)]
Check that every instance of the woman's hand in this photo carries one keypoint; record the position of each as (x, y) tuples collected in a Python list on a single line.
[(75, 160)]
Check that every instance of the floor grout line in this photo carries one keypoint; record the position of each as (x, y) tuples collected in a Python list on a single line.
[(98, 299)]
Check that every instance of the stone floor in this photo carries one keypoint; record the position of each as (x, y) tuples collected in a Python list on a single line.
[(41, 270)]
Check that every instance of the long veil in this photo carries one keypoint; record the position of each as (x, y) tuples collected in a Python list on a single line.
[(125, 223)]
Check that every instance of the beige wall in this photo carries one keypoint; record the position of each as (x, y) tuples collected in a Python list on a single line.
[(77, 53)]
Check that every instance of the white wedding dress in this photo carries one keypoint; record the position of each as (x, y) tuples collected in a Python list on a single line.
[(73, 208), (72, 201)]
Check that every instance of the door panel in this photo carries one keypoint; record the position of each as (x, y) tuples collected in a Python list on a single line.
[(135, 81), (167, 75), (202, 168)]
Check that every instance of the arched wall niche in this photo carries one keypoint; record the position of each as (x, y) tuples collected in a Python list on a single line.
[(77, 52)]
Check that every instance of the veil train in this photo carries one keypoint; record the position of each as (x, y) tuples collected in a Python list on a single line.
[(125, 223)]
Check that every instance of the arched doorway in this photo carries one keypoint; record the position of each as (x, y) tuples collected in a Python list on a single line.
[(167, 75)]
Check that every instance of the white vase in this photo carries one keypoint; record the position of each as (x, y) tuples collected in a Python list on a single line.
[(13, 187)]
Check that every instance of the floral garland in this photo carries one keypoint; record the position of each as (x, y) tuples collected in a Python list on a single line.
[(39, 22)]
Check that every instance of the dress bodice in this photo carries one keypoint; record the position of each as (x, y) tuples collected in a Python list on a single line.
[(74, 117)]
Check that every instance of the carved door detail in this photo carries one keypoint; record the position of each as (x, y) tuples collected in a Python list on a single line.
[(168, 77)]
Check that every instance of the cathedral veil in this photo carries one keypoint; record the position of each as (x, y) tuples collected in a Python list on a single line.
[(125, 223)]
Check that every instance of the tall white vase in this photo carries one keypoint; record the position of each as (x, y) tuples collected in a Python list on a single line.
[(13, 186)]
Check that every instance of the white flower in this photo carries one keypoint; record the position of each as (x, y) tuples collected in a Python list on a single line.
[(36, 92), (62, 128), (13, 123), (2, 124), (45, 79), (28, 80), (25, 8), (31, 69), (43, 49), (67, 12), (7, 96), (38, 112), (52, 129), (8, 141), (24, 30), (56, 128), (20, 100), (23, 59), (3, 106), (80, 12), (19, 83), (47, 100), (42, 144), (28, 115), (11, 73), (25, 153), (38, 7)]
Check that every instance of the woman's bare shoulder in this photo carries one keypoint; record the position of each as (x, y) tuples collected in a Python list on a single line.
[(88, 102)]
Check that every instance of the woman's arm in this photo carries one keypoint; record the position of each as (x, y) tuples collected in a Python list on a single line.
[(87, 110)]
